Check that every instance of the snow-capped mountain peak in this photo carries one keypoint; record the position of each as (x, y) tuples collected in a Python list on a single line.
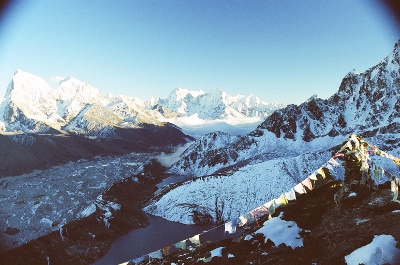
[(181, 93), (72, 88), (216, 104), (26, 86), (252, 100), (73, 95), (28, 103)]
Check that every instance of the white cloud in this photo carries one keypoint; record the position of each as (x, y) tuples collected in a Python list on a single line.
[(196, 127), (168, 159)]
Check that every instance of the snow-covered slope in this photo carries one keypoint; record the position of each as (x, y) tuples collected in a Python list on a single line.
[(131, 110), (204, 148), (216, 104), (73, 95), (94, 120), (236, 192)]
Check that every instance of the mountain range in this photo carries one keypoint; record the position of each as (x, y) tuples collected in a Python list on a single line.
[(216, 104), (30, 105)]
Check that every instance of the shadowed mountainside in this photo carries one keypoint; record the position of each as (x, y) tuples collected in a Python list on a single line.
[(22, 153)]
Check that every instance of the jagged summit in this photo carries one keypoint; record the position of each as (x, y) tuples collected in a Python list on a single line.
[(313, 97), (364, 102), (23, 82), (28, 104)]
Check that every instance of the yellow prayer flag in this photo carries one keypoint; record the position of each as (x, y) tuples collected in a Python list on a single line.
[(282, 200), (321, 172)]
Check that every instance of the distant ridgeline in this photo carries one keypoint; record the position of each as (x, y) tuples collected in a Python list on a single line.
[(371, 173)]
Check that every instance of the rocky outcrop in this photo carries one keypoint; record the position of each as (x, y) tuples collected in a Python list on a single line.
[(164, 111), (209, 150)]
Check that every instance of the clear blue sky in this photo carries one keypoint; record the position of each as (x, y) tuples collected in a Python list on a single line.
[(279, 50)]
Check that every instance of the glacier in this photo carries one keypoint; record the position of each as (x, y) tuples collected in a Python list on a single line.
[(44, 200)]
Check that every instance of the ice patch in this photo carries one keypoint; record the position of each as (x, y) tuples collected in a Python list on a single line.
[(353, 194), (360, 221), (217, 252)]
